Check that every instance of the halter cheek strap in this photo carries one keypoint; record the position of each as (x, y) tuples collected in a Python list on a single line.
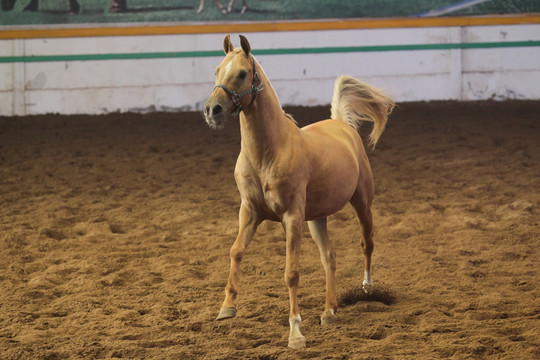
[(254, 89)]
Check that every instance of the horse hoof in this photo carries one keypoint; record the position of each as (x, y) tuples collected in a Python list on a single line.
[(368, 288), (226, 313), (328, 317), (297, 343)]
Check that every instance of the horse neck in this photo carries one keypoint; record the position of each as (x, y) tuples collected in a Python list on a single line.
[(264, 126)]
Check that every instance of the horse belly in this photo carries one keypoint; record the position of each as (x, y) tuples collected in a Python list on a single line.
[(330, 191), (336, 169)]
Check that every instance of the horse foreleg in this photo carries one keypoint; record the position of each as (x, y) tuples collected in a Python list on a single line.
[(319, 233), (248, 223), (293, 232)]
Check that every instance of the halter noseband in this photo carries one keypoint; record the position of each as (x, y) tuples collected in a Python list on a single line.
[(237, 96)]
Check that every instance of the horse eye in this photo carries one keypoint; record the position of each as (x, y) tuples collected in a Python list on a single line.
[(242, 75)]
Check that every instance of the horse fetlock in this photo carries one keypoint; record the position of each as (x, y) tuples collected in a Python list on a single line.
[(230, 295), (367, 278)]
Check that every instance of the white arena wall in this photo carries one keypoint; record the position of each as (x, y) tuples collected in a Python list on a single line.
[(43, 75)]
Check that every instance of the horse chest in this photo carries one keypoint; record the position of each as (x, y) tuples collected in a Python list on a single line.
[(271, 196), (282, 194), (274, 187)]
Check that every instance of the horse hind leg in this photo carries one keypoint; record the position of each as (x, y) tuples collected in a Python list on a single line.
[(361, 203), (319, 233)]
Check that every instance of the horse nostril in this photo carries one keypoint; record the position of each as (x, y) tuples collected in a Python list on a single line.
[(217, 109)]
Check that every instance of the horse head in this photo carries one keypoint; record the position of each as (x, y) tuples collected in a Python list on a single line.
[(237, 84)]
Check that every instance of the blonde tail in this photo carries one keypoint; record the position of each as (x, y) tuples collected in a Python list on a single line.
[(354, 102)]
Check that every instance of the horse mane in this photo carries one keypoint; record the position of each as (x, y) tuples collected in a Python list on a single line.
[(266, 81), (290, 117)]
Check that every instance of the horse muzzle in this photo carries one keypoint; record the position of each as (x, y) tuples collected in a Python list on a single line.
[(214, 115)]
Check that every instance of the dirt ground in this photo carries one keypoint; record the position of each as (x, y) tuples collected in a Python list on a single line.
[(115, 232)]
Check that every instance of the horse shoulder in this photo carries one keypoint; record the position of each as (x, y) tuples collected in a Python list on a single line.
[(248, 181), (245, 175), (284, 182)]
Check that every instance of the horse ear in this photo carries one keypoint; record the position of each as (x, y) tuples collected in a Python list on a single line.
[(227, 45), (245, 45)]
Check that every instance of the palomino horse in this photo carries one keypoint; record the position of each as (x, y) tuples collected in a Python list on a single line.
[(292, 175)]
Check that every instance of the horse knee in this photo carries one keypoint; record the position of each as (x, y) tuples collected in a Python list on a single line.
[(230, 290), (292, 278)]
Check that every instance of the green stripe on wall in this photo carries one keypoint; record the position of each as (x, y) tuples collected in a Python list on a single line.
[(321, 50)]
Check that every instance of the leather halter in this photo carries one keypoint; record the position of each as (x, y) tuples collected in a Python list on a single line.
[(254, 89)]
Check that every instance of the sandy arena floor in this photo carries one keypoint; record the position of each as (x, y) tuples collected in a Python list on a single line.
[(115, 233)]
